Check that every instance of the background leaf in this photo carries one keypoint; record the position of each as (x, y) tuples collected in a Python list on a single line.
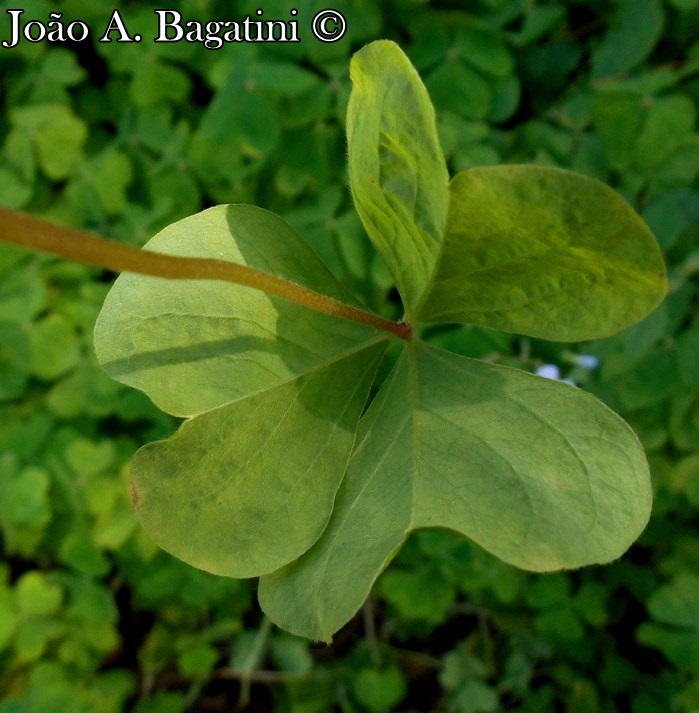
[(57, 135), (635, 28)]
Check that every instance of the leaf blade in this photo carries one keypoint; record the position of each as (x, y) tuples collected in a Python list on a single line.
[(398, 174), (443, 468), (544, 252), (195, 345), (253, 482), (336, 575), (572, 482)]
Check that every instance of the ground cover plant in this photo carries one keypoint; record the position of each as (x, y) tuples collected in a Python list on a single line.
[(274, 467), (96, 618)]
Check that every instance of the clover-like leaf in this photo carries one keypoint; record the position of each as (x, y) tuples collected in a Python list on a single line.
[(195, 345), (276, 390), (276, 474), (253, 482), (537, 472), (397, 170), (545, 252)]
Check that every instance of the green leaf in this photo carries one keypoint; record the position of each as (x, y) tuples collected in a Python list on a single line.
[(684, 419), (79, 552), (458, 88), (22, 295), (460, 666), (535, 471), (37, 595), (677, 603), (634, 31), (291, 654), (672, 213), (58, 136), (481, 47), (681, 647), (25, 507), (397, 170), (283, 78), (34, 636), (108, 176), (158, 82), (276, 472), (62, 67), (538, 20), (54, 347), (560, 623), (278, 390), (195, 345), (177, 194), (548, 592), (506, 97), (88, 458), (476, 697), (253, 482), (16, 193), (544, 252), (19, 152), (198, 661), (238, 128), (591, 605), (618, 117), (668, 126), (379, 691), (417, 595), (651, 380)]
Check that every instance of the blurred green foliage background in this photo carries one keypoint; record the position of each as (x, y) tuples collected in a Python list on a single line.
[(126, 138)]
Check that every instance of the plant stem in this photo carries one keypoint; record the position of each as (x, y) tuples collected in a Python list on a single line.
[(370, 632), (37, 234), (252, 660)]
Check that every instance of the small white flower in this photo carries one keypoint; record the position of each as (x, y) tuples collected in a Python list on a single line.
[(549, 371), (588, 361)]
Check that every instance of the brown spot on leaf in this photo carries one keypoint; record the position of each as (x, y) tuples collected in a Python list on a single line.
[(134, 494)]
